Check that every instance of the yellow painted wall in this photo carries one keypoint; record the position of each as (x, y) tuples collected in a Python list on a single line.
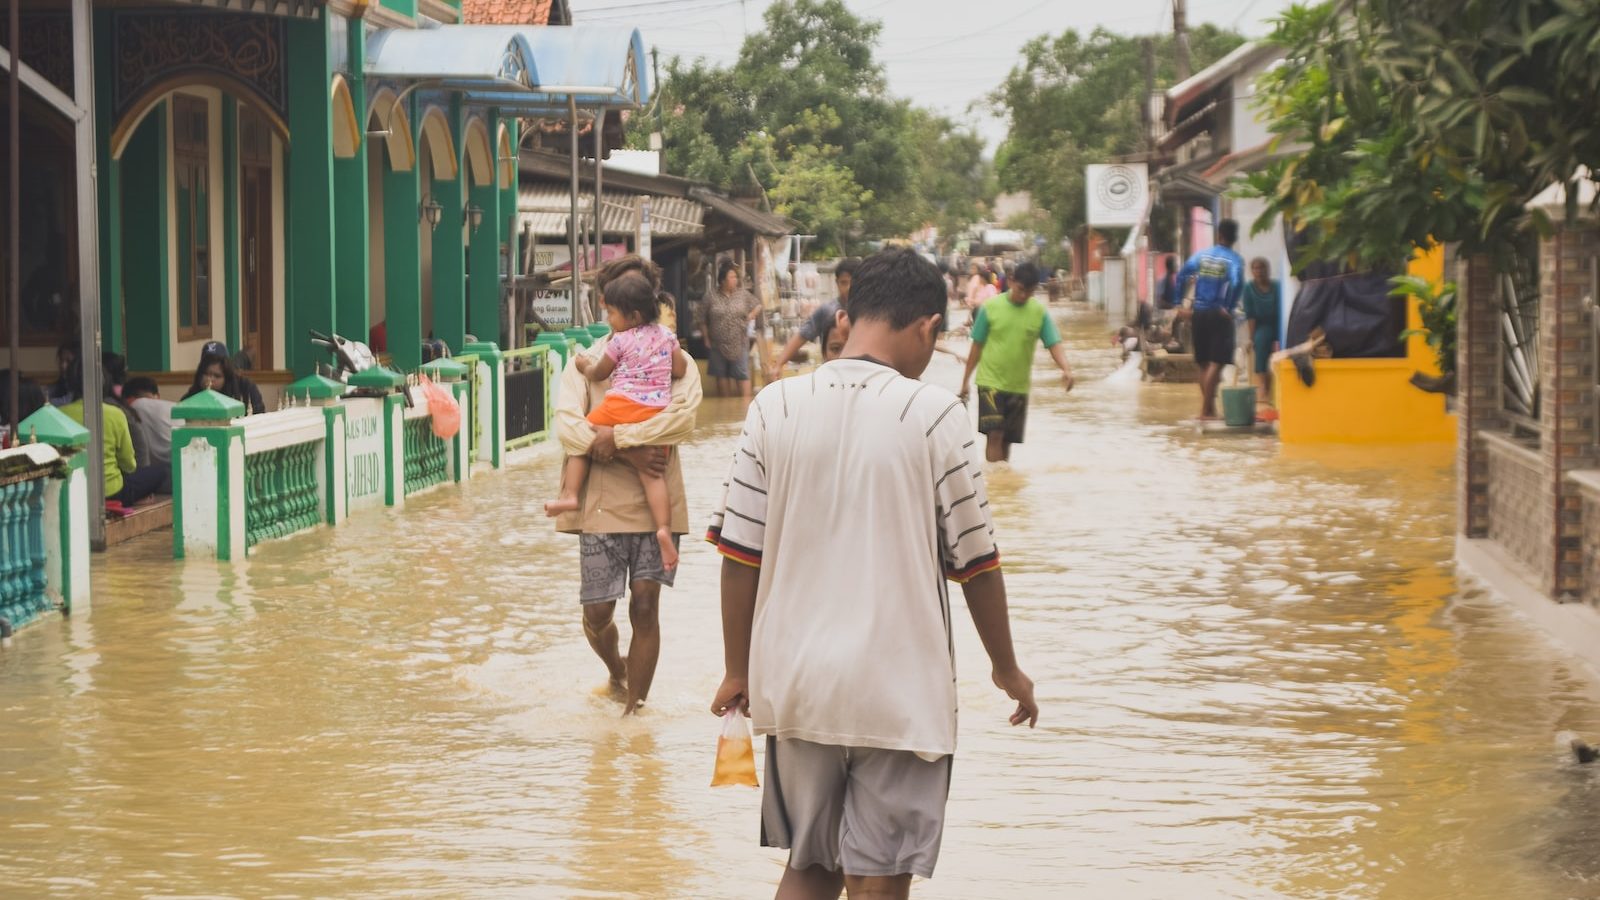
[(1368, 401)]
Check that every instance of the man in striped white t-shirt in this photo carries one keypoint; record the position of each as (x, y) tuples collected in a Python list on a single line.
[(854, 494)]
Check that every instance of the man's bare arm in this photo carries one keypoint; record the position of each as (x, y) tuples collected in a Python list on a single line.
[(739, 582), (986, 600)]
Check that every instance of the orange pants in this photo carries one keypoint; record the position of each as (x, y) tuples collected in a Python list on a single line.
[(616, 409)]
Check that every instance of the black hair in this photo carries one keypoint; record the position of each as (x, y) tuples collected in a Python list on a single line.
[(622, 265), (74, 379), (67, 348), (633, 295), (1228, 232), (1171, 260), (847, 266), (898, 287), (30, 397), (114, 368), (723, 268), (1026, 274), (230, 377), (139, 386)]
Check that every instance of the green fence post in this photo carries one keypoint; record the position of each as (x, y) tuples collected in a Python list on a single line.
[(320, 390), (491, 401), (452, 375), (208, 496), (66, 507), (385, 383)]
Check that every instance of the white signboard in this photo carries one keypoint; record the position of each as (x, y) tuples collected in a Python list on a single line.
[(548, 256), (363, 452), (1118, 194), (644, 227), (554, 307)]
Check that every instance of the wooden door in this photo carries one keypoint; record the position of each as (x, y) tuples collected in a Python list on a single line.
[(255, 239)]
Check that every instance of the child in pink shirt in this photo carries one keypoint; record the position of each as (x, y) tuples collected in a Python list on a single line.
[(641, 359)]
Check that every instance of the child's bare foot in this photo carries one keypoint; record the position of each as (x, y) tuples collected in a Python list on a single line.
[(669, 550), (556, 507)]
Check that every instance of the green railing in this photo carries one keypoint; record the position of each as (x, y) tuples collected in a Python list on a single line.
[(529, 394), (427, 457), (281, 492), (22, 576)]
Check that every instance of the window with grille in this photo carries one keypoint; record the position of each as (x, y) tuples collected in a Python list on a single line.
[(191, 165)]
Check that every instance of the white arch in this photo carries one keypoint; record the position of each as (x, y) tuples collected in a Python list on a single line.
[(391, 117), (436, 131)]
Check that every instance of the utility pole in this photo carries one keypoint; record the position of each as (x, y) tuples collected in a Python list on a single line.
[(1180, 35), (1147, 112)]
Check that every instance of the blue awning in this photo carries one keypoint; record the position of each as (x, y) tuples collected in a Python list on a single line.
[(522, 70)]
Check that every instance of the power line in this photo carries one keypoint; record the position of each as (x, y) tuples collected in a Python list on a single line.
[(700, 6), (602, 10)]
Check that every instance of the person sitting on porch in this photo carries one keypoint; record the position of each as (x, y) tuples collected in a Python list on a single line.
[(153, 419), (216, 373), (126, 481)]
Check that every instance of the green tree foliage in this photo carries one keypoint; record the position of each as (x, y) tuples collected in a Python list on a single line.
[(805, 110), (1074, 100), (1428, 120)]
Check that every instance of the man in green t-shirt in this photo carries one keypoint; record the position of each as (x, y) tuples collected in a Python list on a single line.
[(1004, 334)]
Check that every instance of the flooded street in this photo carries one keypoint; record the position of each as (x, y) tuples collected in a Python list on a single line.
[(1258, 677)]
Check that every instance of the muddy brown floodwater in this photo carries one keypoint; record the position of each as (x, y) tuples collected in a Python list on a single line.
[(1259, 675)]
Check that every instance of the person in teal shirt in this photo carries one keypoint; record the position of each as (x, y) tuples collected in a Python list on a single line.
[(1262, 298), (1004, 334)]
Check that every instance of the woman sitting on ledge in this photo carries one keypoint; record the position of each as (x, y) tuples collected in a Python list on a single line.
[(216, 373)]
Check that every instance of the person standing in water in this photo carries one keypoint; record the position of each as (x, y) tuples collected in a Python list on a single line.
[(1218, 276), (1004, 334), (1262, 298), (859, 739)]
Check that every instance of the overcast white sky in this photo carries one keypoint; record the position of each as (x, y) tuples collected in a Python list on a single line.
[(936, 51)]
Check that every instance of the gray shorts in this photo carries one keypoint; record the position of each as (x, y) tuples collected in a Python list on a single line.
[(611, 562), (864, 811), (719, 366)]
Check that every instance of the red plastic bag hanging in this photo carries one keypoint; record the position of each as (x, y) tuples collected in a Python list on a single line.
[(736, 752), (442, 407)]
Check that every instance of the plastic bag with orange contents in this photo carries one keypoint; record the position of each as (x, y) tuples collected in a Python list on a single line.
[(442, 407), (736, 752)]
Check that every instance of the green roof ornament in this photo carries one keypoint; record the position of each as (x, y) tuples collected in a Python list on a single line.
[(208, 407), (377, 380), (52, 426), (316, 387), (445, 369)]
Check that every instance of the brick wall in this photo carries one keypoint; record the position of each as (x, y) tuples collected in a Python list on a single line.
[(1519, 511), (1567, 380), (1477, 389)]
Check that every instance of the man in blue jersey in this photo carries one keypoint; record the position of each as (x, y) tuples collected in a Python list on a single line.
[(1218, 275)]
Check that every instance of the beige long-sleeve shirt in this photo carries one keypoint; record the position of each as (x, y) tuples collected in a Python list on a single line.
[(612, 500)]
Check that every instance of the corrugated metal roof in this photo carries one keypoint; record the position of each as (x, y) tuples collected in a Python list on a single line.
[(545, 209)]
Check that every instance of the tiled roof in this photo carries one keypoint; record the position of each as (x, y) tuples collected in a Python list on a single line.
[(506, 12)]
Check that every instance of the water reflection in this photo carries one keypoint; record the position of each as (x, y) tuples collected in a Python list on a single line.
[(1259, 677)]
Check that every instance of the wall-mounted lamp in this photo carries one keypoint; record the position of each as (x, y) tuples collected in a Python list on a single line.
[(474, 214), (431, 211)]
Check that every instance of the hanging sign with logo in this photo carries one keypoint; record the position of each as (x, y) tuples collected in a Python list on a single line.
[(1117, 194)]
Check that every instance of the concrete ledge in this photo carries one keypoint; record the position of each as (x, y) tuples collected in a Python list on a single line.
[(1505, 445), (1588, 480), (1575, 627), (147, 516)]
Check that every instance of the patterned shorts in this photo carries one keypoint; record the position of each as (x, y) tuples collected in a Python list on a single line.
[(611, 562)]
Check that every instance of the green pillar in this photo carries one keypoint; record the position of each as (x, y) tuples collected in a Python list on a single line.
[(402, 265), (230, 224), (310, 233), (109, 190), (483, 281), (449, 247), (350, 209), (145, 277)]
